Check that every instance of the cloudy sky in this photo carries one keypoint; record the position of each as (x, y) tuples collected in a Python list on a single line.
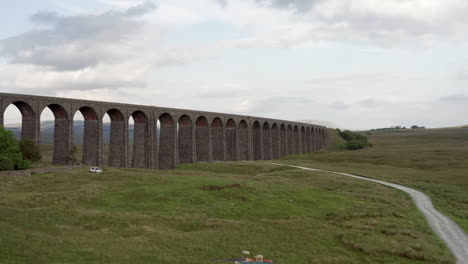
[(356, 63)]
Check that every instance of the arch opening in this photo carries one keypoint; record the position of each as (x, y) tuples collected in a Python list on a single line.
[(28, 127), (12, 120), (308, 147)]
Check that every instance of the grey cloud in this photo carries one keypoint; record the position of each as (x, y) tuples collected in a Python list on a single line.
[(278, 103), (75, 42), (222, 94), (300, 5), (140, 9), (222, 3), (454, 98), (339, 105), (363, 22), (368, 103), (462, 75), (45, 17)]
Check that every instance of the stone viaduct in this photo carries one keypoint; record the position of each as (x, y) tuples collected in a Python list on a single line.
[(163, 137)]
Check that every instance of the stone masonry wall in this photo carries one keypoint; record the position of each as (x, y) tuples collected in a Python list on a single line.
[(204, 136)]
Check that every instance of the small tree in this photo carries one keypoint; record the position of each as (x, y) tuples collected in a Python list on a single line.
[(10, 155), (72, 155), (354, 140), (6, 163), (30, 150)]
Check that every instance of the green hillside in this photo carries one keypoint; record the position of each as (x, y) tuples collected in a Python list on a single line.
[(206, 211), (431, 160)]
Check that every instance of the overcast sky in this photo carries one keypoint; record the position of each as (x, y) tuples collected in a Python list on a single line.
[(356, 63)]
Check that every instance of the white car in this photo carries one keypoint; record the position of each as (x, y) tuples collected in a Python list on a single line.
[(95, 170)]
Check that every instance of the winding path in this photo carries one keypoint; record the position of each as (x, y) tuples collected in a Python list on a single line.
[(454, 237)]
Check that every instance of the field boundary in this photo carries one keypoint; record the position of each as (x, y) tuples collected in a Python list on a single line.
[(28, 172)]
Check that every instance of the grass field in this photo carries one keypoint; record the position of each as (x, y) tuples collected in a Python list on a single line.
[(434, 161), (206, 211), (47, 152)]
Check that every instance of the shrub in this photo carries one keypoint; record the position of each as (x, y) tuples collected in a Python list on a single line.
[(22, 164), (354, 140), (72, 155), (6, 163), (11, 157), (30, 150)]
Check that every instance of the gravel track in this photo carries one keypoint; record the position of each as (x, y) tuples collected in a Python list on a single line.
[(453, 236)]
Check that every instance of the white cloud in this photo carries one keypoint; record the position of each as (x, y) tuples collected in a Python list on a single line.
[(89, 52), (78, 42), (339, 105), (138, 55)]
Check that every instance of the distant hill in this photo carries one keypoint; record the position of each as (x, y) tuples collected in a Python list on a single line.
[(47, 131)]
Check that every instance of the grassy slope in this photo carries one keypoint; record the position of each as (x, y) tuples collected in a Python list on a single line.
[(188, 216), (434, 161)]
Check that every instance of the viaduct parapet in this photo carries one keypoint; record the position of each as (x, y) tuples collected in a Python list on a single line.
[(163, 137)]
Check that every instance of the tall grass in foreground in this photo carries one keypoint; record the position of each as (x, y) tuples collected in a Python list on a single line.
[(205, 211)]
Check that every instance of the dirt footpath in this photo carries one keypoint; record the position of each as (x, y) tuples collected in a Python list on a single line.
[(454, 237)]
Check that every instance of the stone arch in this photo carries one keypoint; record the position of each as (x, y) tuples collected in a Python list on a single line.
[(185, 139), (275, 141), (167, 142), (266, 137), (297, 140), (290, 140), (283, 141), (29, 124), (117, 138), (308, 146), (217, 139), (140, 155), (91, 138), (62, 134), (202, 139), (257, 140), (231, 144), (303, 141), (243, 140)]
